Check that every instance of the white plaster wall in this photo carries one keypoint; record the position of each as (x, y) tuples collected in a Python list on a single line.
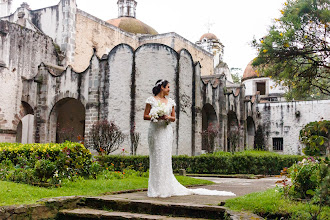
[(271, 87), (10, 96), (185, 91), (279, 120), (121, 67), (153, 62), (27, 129)]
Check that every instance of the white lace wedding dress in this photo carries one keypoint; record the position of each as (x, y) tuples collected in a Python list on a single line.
[(162, 182)]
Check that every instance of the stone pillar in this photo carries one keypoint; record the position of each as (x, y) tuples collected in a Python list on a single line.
[(41, 111), (69, 10), (93, 103), (198, 110)]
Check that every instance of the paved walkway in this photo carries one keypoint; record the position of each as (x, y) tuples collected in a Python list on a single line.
[(238, 186)]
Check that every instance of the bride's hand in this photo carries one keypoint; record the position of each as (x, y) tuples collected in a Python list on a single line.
[(163, 117)]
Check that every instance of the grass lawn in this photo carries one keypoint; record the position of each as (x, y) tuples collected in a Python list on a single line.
[(16, 193), (270, 203)]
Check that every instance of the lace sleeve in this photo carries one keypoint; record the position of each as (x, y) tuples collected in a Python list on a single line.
[(150, 100), (172, 103)]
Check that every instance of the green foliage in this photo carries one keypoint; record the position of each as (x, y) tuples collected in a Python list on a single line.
[(271, 204), (315, 135), (236, 75), (310, 183), (16, 193), (259, 141), (248, 162), (43, 163), (295, 52)]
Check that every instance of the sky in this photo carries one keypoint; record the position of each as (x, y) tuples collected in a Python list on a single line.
[(234, 22)]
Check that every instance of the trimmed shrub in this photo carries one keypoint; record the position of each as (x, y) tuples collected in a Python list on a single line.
[(238, 163), (43, 163)]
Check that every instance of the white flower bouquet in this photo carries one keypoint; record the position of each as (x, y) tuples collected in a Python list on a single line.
[(157, 111)]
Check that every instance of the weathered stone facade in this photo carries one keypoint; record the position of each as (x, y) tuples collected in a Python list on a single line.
[(282, 122), (62, 70)]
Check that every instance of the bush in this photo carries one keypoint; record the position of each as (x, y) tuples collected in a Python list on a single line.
[(315, 135), (106, 137), (43, 163), (310, 179), (227, 163)]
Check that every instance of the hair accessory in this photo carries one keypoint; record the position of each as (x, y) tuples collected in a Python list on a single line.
[(159, 83)]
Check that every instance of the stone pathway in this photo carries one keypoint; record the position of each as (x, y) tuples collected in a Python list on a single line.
[(238, 186)]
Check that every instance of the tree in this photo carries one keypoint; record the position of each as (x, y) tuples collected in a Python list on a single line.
[(315, 135), (236, 75), (296, 52)]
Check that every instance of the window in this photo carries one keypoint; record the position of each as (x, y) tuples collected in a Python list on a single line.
[(261, 87), (278, 144)]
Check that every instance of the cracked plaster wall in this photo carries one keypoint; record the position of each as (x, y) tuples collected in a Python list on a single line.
[(281, 120)]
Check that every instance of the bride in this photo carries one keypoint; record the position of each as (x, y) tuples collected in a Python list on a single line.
[(160, 111)]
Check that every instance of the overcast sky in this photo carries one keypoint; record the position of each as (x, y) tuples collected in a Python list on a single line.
[(234, 22)]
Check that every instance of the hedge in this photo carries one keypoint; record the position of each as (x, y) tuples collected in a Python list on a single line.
[(15, 152), (268, 164)]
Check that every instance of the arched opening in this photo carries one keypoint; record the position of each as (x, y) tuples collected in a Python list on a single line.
[(232, 132), (67, 121), (250, 127), (25, 127), (209, 128)]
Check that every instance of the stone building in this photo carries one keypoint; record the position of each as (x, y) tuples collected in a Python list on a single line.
[(62, 70), (279, 120)]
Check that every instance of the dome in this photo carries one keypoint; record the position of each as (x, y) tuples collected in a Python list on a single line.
[(208, 36), (250, 72), (132, 25)]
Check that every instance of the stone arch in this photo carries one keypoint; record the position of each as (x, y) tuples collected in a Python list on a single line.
[(250, 132), (67, 121), (209, 121), (24, 123), (232, 131)]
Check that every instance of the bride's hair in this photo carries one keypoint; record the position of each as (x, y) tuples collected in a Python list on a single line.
[(157, 88)]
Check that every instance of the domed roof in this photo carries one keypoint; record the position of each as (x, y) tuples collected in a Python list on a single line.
[(250, 72), (208, 36), (132, 25)]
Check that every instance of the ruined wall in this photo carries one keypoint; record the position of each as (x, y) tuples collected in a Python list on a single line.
[(178, 43), (92, 32), (58, 22), (115, 88), (22, 51), (224, 100), (286, 119)]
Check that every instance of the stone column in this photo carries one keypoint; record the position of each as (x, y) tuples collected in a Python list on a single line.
[(93, 103), (41, 111)]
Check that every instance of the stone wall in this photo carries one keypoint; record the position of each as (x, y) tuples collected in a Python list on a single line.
[(178, 43), (22, 52), (94, 33), (115, 88), (57, 22), (286, 119)]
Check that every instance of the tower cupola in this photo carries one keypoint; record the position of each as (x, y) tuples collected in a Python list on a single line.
[(127, 8)]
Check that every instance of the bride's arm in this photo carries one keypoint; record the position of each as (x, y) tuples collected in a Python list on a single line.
[(146, 115), (172, 116)]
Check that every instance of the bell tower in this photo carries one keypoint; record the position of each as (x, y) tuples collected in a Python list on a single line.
[(5, 6), (127, 8)]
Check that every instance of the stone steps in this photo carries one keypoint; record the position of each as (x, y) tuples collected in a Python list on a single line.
[(86, 213), (155, 207)]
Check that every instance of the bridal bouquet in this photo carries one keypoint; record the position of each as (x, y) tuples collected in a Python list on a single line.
[(158, 111)]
